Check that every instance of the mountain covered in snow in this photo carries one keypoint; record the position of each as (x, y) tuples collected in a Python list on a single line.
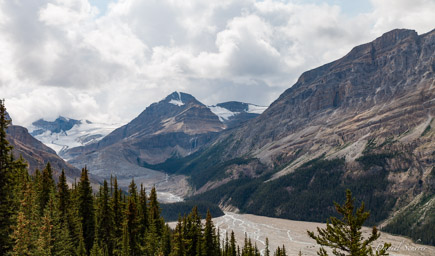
[(64, 133)]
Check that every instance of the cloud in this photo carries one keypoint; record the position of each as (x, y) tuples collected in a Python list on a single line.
[(67, 57)]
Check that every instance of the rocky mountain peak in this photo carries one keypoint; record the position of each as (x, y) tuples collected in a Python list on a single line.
[(180, 99), (234, 106), (61, 124)]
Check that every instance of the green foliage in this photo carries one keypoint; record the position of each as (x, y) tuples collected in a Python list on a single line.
[(410, 219), (427, 129), (10, 172), (344, 235), (171, 212), (370, 160), (305, 193), (86, 210)]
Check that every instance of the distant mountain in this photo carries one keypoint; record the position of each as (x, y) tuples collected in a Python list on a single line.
[(37, 154), (363, 122), (61, 124), (234, 113), (174, 127), (64, 133)]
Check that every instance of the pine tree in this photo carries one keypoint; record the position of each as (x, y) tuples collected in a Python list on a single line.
[(104, 231), (132, 220), (24, 232), (61, 243), (63, 195), (209, 242), (154, 212), (6, 184), (344, 235), (192, 233), (86, 210), (233, 244), (178, 241), (267, 251), (143, 213), (81, 250), (47, 187), (165, 247), (125, 242), (118, 218)]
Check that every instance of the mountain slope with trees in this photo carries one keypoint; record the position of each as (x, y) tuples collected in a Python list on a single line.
[(363, 122)]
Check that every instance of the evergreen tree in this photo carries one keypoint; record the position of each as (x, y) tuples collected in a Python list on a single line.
[(209, 242), (125, 242), (232, 248), (104, 232), (267, 251), (6, 184), (143, 213), (118, 217), (192, 233), (165, 248), (154, 212), (61, 243), (178, 241), (86, 210), (132, 220), (81, 250), (63, 195), (47, 187), (344, 235), (24, 232)]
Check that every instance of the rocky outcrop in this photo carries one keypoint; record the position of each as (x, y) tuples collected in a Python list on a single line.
[(36, 154), (373, 108), (61, 124)]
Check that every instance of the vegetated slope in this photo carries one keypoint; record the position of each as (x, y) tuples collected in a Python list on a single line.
[(363, 122)]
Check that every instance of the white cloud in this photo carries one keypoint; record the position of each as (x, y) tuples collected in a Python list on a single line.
[(63, 57)]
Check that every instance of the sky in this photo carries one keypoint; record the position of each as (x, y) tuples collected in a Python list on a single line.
[(106, 61)]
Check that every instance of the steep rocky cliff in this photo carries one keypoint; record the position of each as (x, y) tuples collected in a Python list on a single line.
[(363, 122), (37, 154)]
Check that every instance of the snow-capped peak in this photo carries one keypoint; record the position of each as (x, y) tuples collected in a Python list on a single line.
[(81, 133), (177, 101)]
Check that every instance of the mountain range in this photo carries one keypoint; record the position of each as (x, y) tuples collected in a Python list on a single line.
[(37, 154), (364, 122)]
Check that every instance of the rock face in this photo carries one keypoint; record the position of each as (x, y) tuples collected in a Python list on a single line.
[(37, 154), (374, 108), (177, 126), (379, 89), (61, 124)]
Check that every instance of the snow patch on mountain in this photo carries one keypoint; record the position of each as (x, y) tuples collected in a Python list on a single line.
[(223, 113), (177, 102), (255, 109), (79, 135)]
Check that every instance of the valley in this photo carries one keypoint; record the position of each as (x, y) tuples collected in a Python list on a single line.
[(293, 234)]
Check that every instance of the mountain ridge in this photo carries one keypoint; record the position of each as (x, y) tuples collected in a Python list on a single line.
[(362, 122)]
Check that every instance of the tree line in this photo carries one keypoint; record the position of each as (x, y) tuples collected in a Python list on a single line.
[(40, 217)]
